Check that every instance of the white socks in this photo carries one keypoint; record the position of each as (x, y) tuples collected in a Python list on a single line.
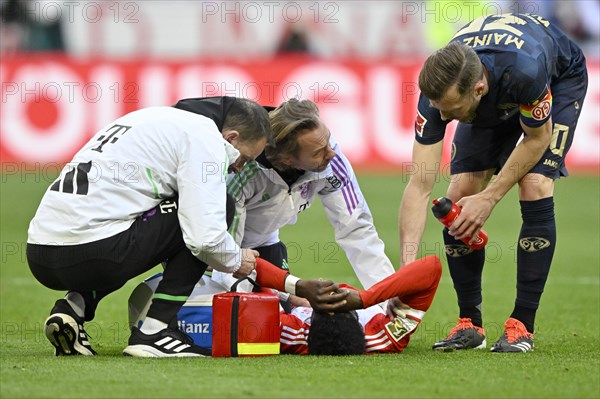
[(152, 326), (77, 303)]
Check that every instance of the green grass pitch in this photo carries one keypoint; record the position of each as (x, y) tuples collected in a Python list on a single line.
[(566, 362)]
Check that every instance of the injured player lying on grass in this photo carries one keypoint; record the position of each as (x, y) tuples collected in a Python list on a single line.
[(360, 325)]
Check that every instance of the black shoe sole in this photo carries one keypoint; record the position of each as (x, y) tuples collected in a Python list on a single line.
[(452, 348), (61, 334)]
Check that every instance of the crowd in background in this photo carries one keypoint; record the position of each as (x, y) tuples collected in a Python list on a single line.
[(39, 25)]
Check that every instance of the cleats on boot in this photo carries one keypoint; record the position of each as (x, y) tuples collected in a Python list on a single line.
[(516, 338), (64, 330), (464, 335)]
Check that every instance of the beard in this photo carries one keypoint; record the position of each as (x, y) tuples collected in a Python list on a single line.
[(469, 118), (471, 115)]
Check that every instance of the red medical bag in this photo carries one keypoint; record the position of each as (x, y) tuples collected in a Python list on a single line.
[(245, 324)]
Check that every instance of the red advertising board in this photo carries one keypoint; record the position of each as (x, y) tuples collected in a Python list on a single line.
[(51, 105)]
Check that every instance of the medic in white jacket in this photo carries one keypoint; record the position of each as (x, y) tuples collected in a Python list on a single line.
[(265, 203)]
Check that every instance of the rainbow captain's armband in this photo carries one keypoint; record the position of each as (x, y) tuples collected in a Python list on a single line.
[(538, 112)]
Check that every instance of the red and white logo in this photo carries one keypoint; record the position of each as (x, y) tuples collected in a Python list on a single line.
[(420, 124), (478, 240), (541, 110)]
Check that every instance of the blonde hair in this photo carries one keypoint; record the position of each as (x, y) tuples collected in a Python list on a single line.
[(288, 122)]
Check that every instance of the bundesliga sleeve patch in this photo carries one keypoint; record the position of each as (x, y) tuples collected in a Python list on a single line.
[(420, 124), (539, 110)]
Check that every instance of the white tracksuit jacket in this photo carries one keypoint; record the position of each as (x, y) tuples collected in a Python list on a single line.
[(131, 166), (265, 204)]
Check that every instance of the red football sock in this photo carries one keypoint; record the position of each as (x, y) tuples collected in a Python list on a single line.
[(415, 284)]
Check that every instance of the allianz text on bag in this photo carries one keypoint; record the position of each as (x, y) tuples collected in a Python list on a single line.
[(195, 316)]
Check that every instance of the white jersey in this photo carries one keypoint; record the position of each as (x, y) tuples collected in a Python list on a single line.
[(265, 203), (132, 165)]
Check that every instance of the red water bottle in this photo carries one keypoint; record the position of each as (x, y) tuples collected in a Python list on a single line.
[(446, 212)]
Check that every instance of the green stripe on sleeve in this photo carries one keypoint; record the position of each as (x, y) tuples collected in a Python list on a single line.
[(149, 173), (236, 185), (233, 230)]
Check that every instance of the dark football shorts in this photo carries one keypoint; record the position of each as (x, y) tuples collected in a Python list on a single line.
[(107, 264), (477, 149)]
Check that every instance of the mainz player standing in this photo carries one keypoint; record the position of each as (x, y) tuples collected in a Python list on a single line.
[(502, 77)]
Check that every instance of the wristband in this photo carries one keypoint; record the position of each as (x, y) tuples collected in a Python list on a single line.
[(283, 296), (290, 284)]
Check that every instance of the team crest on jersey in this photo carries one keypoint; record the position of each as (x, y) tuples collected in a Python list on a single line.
[(305, 190), (507, 110), (400, 327), (420, 124), (507, 106)]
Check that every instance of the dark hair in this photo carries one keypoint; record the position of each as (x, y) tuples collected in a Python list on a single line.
[(288, 121), (336, 335), (250, 119), (454, 64)]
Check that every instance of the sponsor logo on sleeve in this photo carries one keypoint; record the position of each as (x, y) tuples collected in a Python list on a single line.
[(420, 124), (334, 181)]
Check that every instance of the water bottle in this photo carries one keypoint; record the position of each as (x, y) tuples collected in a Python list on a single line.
[(447, 211)]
